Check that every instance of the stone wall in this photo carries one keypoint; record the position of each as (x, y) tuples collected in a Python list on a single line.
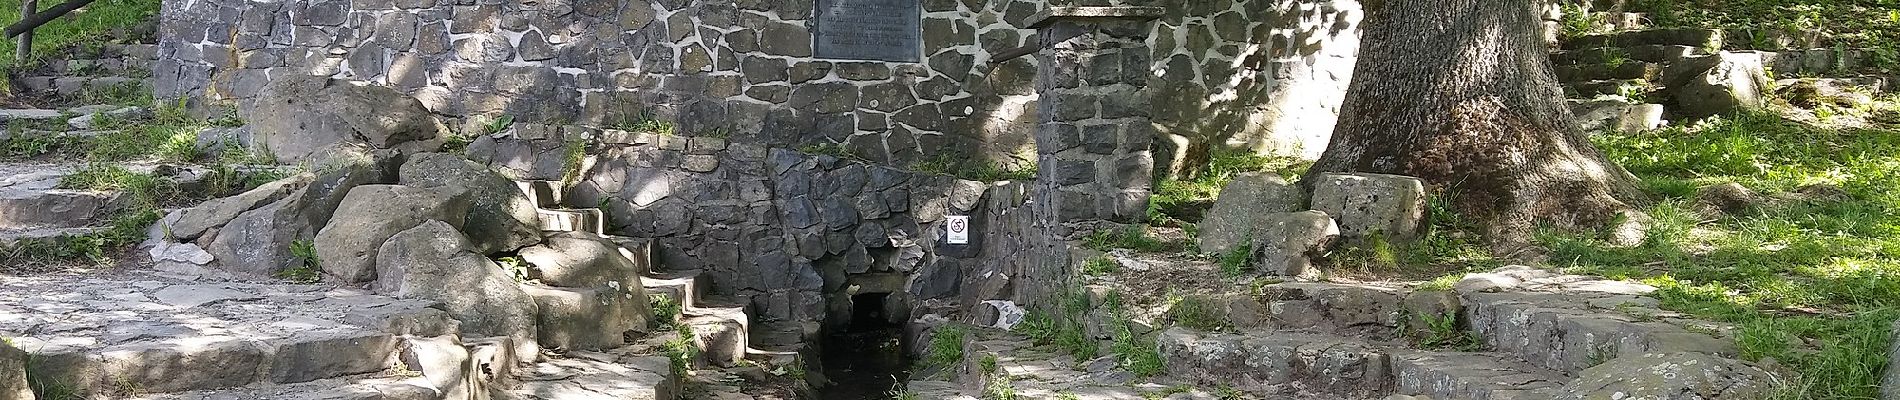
[(1267, 72), (783, 229)]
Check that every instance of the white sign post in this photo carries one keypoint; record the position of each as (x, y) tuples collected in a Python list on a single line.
[(959, 229)]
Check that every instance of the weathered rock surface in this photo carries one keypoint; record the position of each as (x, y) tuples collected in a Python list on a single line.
[(257, 243), (1669, 376), (1369, 204), (101, 333), (13, 373), (581, 260), (31, 198), (369, 215), (302, 118), (1240, 208), (195, 221), (500, 216), (1716, 84), (587, 319), (587, 377), (433, 261), (1284, 244)]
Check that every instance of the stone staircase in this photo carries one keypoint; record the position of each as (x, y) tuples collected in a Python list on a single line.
[(1625, 79), (1515, 333), (721, 328), (109, 67)]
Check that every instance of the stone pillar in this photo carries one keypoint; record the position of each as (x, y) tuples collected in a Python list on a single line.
[(1093, 130)]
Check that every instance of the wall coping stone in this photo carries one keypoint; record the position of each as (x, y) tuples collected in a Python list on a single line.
[(1052, 14)]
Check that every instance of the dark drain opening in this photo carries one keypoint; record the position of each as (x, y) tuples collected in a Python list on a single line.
[(865, 360)]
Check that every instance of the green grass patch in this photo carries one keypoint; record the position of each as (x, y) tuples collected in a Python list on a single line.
[(1811, 280), (84, 30), (1172, 198), (1196, 312), (1130, 237), (946, 346), (1238, 261), (1100, 266)]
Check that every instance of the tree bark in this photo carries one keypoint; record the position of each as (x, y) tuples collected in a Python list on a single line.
[(1461, 94)]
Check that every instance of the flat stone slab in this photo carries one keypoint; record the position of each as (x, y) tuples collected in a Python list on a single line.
[(597, 376), (96, 330), (350, 388)]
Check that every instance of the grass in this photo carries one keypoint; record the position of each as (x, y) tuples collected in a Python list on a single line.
[(1172, 197), (1811, 281), (946, 346), (1132, 238), (1238, 261), (1100, 266), (1442, 332), (680, 349), (83, 29), (306, 267), (575, 154), (1196, 312)]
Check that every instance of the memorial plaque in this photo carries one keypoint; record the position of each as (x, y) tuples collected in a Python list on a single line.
[(883, 30)]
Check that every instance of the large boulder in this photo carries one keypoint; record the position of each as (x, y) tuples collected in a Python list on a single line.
[(258, 242), (433, 261), (369, 215), (1716, 84), (588, 318), (1241, 206), (312, 119), (13, 373), (1669, 376), (1369, 204), (1284, 244), (581, 259), (500, 217)]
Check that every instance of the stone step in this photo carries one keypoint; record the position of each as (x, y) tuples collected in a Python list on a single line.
[(1655, 53), (721, 333), (1561, 332), (1468, 375), (1608, 87), (30, 207), (1698, 38), (1595, 72), (596, 376), (590, 220), (429, 368), (638, 250), (683, 287), (396, 387), (544, 194), (29, 114), (75, 85), (1831, 62), (1348, 366), (43, 236), (1558, 322), (1616, 114), (101, 334)]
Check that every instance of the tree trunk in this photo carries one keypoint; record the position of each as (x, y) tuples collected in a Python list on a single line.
[(1461, 94)]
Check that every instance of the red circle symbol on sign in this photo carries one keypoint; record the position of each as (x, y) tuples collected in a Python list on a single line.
[(957, 225)]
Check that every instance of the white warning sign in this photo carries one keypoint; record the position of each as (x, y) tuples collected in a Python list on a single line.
[(959, 229)]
